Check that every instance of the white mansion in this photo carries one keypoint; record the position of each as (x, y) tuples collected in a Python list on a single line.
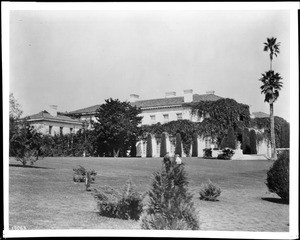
[(160, 110)]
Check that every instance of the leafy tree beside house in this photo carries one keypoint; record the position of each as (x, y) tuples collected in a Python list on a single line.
[(271, 85), (24, 140), (117, 122)]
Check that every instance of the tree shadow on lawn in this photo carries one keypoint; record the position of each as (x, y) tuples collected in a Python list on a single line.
[(275, 200), (28, 166)]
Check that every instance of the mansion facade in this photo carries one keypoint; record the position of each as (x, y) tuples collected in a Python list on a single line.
[(160, 110)]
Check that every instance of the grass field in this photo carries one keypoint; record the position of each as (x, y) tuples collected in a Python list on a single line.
[(45, 197)]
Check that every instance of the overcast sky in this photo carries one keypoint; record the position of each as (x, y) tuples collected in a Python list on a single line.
[(77, 59)]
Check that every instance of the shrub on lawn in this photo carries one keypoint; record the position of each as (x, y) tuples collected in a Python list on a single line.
[(79, 174), (170, 204), (226, 154), (125, 205), (207, 152), (278, 176), (209, 191)]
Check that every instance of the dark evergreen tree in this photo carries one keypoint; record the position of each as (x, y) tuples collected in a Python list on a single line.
[(170, 203), (231, 138), (285, 135), (149, 146), (195, 145), (253, 142), (163, 146), (133, 150), (246, 141), (178, 149)]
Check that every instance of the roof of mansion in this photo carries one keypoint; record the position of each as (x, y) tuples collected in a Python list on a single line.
[(87, 110), (174, 101), (260, 115), (45, 116), (153, 103)]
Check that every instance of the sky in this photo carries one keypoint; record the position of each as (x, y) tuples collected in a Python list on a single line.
[(77, 59)]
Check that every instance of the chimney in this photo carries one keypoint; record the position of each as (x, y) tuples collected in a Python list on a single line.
[(53, 110), (134, 97), (210, 92), (188, 95), (170, 94)]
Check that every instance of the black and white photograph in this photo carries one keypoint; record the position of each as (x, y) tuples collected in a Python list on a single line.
[(150, 119)]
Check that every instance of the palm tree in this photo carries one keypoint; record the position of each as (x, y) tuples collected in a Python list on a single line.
[(273, 47), (271, 87)]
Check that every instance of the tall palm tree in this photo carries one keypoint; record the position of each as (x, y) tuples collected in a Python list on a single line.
[(271, 87), (273, 47)]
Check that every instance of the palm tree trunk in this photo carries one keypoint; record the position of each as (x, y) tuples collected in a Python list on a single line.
[(273, 144)]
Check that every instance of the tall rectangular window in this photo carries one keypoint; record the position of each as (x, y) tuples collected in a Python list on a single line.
[(71, 130), (61, 130), (179, 116), (50, 130), (166, 117)]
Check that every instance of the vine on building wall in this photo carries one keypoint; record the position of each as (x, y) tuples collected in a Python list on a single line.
[(219, 116), (282, 130)]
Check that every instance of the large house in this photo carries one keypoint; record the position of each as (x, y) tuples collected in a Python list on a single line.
[(169, 108), (162, 110), (52, 122)]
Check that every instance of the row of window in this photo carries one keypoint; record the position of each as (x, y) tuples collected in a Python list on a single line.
[(166, 117), (60, 130)]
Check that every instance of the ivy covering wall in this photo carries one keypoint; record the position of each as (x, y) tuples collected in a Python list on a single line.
[(219, 115), (282, 130)]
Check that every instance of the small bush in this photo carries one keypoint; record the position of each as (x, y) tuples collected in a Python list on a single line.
[(207, 152), (209, 191), (278, 176), (125, 205), (80, 173), (227, 154)]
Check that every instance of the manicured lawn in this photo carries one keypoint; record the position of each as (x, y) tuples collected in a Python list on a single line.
[(45, 196)]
